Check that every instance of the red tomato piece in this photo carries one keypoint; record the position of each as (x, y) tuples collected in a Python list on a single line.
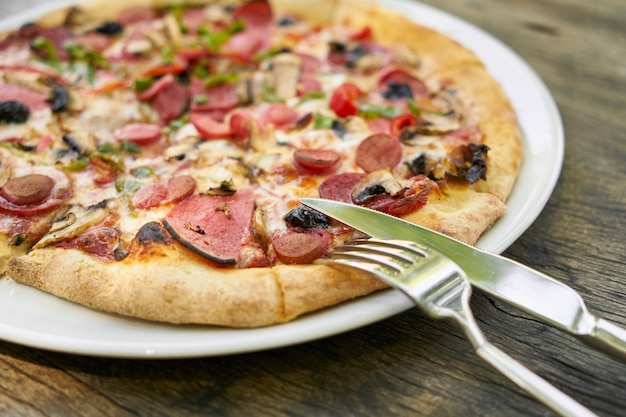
[(364, 34), (344, 100), (399, 123)]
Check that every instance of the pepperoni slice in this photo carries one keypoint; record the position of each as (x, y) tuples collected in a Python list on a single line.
[(218, 97), (171, 191), (293, 247), (179, 188), (378, 151), (29, 189), (310, 64), (240, 124), (156, 88), (208, 127), (136, 14), (255, 14), (27, 193), (280, 115), (171, 101), (139, 133), (247, 43), (402, 76), (193, 18), (308, 84), (318, 161), (339, 187), (93, 41), (257, 18), (150, 196), (214, 227)]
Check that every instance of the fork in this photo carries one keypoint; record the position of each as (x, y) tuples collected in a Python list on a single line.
[(440, 288)]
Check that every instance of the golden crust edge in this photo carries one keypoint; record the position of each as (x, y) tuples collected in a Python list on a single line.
[(390, 28), (179, 288), (486, 103)]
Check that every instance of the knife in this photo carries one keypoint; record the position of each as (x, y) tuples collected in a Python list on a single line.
[(531, 291)]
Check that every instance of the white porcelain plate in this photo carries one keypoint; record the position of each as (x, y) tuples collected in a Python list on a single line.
[(33, 318)]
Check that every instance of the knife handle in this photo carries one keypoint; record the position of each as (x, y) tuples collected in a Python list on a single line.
[(607, 337)]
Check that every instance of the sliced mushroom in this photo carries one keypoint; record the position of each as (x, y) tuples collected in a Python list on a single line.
[(185, 150), (173, 31), (350, 126), (259, 228), (286, 69), (73, 223), (138, 46), (244, 88), (262, 142), (80, 136), (375, 183), (441, 123)]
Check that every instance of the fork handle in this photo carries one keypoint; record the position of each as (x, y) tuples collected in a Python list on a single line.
[(609, 338), (532, 383)]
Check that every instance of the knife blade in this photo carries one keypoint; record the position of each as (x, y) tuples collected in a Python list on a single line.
[(527, 289)]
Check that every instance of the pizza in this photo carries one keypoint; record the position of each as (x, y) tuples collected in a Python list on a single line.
[(153, 153)]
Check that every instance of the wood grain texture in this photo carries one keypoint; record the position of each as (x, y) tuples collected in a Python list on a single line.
[(410, 365)]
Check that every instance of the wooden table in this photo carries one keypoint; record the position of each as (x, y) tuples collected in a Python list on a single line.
[(410, 365)]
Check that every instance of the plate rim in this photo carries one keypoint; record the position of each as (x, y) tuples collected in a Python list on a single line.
[(215, 341)]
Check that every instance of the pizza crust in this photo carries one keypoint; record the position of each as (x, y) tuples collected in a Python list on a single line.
[(176, 286), (461, 213)]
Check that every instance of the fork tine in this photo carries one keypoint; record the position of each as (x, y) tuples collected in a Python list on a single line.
[(439, 286), (367, 261)]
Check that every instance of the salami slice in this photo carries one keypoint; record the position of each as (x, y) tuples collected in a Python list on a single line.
[(31, 99), (214, 227), (256, 37), (218, 97), (171, 101)]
